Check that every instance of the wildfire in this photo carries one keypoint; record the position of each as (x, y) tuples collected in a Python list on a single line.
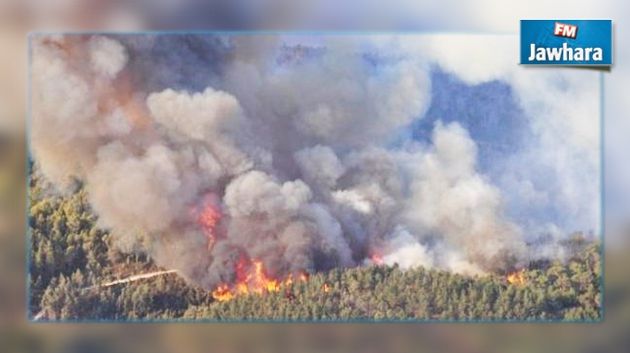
[(326, 288), (222, 293), (251, 277), (516, 278), (376, 259), (208, 216)]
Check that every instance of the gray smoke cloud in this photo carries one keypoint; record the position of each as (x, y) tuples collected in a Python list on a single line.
[(288, 156)]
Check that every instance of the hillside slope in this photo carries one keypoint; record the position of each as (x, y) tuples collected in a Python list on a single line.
[(71, 259)]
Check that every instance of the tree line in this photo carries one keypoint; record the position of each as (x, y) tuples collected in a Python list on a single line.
[(70, 256)]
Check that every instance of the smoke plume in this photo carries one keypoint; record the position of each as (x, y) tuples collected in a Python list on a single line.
[(249, 148)]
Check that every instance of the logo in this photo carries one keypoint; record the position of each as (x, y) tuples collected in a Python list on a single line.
[(565, 30), (566, 42)]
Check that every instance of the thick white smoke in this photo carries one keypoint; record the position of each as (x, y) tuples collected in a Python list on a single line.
[(449, 198), (558, 169), (289, 157)]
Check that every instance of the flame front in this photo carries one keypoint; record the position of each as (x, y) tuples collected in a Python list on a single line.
[(222, 293), (259, 282), (253, 278), (517, 278)]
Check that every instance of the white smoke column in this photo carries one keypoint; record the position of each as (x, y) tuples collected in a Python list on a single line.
[(450, 199), (405, 250), (559, 167)]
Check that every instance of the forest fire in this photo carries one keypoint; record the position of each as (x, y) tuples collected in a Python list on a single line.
[(376, 259), (253, 278), (208, 216), (516, 278), (222, 293)]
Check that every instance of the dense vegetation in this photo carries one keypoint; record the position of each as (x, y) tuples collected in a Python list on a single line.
[(69, 257)]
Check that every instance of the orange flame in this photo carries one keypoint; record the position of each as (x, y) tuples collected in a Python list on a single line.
[(251, 277), (326, 288), (516, 278), (208, 216), (376, 259), (222, 293)]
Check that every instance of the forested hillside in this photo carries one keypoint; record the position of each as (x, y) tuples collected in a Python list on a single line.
[(70, 259)]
